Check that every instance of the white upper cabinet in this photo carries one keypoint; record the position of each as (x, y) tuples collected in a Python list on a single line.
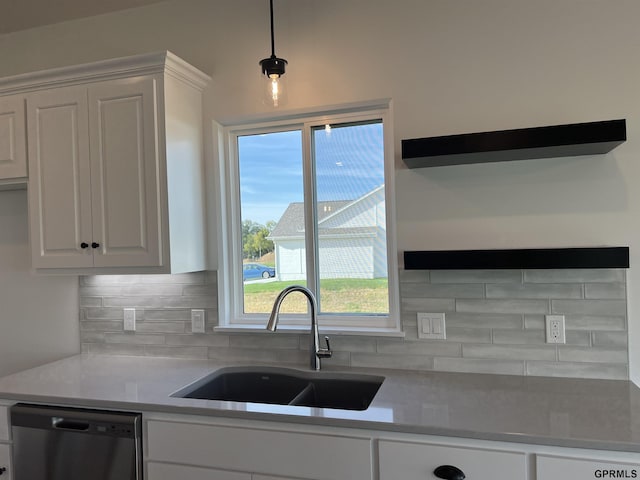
[(116, 166), (13, 155), (60, 184), (124, 173)]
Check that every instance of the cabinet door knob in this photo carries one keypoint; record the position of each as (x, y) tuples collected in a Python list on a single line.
[(2, 470), (84, 245), (95, 245), (449, 472)]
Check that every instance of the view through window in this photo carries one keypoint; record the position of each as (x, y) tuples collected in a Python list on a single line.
[(347, 196)]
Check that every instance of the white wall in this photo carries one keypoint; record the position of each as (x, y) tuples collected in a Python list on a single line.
[(450, 67), (38, 315)]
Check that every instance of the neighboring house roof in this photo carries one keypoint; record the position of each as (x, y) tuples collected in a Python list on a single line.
[(351, 204), (291, 224)]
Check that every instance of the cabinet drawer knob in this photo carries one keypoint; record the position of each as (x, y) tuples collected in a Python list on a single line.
[(449, 472), (84, 245), (95, 245)]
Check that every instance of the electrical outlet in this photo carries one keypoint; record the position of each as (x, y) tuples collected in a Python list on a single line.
[(555, 328), (431, 326), (197, 321), (129, 319)]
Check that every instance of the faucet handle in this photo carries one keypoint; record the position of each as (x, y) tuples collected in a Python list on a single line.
[(325, 352)]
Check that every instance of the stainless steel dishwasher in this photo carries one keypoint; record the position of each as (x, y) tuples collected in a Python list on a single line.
[(54, 443)]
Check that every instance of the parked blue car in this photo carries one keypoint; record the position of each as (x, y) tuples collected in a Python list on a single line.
[(253, 271)]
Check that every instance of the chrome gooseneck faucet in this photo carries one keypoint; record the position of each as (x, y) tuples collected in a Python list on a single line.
[(315, 351)]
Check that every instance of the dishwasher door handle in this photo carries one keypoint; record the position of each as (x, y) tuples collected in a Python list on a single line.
[(60, 423)]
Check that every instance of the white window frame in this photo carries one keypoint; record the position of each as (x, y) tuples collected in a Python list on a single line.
[(231, 316)]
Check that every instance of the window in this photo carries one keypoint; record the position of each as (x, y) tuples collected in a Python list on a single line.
[(310, 203)]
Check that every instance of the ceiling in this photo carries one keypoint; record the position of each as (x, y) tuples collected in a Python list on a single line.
[(22, 14)]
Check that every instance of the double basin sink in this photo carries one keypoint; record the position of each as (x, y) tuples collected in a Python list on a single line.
[(284, 386)]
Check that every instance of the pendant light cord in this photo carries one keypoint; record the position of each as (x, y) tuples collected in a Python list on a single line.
[(273, 43)]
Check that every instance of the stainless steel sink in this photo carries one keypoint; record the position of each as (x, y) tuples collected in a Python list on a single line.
[(284, 386)]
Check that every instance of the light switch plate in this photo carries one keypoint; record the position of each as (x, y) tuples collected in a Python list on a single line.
[(431, 326), (197, 321), (129, 319)]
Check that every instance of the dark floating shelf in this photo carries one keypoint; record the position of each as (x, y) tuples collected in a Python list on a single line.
[(592, 138), (535, 258)]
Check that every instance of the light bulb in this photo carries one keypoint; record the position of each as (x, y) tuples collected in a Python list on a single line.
[(274, 90)]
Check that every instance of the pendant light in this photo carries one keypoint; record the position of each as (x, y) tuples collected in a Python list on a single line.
[(274, 91)]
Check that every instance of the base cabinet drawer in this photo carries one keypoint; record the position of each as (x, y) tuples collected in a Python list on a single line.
[(418, 461), (256, 476), (166, 471), (5, 462), (551, 467)]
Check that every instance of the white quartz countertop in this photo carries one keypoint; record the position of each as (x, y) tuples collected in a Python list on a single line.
[(599, 414)]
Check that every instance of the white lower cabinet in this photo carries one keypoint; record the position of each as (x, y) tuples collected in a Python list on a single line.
[(418, 461), (167, 471), (4, 423), (271, 477), (551, 467), (5, 448), (203, 448), (230, 452), (5, 462)]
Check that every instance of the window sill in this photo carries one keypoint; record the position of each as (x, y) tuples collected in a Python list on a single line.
[(368, 332)]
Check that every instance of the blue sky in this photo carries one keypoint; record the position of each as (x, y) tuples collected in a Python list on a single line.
[(349, 163)]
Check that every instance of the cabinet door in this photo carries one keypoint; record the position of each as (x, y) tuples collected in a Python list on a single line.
[(417, 461), (167, 471), (13, 140), (271, 477), (561, 468), (60, 178), (5, 462), (126, 172), (4, 423)]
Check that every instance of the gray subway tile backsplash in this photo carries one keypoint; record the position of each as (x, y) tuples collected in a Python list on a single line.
[(590, 307), (494, 320), (510, 352), (475, 365), (476, 276), (469, 334), (578, 370), (432, 348), (592, 355), (596, 322), (484, 320), (519, 337), (609, 339), (401, 362), (534, 290), (579, 337), (503, 306), (606, 290), (424, 290), (579, 275)]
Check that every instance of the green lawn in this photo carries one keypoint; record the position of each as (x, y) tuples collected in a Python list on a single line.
[(341, 295)]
